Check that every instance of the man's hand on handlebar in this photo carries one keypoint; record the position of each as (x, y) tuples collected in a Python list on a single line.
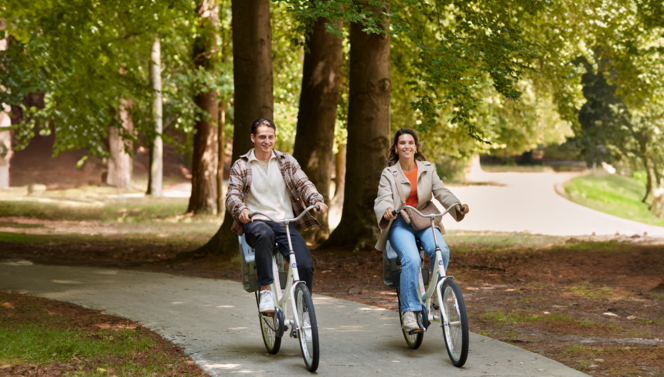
[(465, 209), (244, 216), (322, 208), (388, 214)]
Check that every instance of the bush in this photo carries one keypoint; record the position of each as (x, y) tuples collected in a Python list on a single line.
[(450, 169)]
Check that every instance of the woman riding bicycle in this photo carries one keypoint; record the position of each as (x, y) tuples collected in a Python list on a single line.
[(408, 168)]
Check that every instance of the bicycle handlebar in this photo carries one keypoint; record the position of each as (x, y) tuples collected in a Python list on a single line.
[(284, 220), (431, 216)]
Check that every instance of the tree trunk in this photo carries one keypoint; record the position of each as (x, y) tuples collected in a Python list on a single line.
[(314, 141), (336, 205), (5, 146), (221, 198), (252, 74), (120, 163), (220, 159), (203, 197), (340, 173), (649, 184), (368, 135), (657, 206), (658, 173), (157, 148)]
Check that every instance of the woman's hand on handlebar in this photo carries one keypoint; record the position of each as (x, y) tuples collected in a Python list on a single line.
[(322, 207), (465, 209), (388, 214), (244, 216)]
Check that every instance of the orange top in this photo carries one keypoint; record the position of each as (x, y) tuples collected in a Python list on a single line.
[(411, 200)]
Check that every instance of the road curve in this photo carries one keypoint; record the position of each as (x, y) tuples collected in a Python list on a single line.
[(216, 322), (529, 202)]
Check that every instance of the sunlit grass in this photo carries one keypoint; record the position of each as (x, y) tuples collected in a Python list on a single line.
[(613, 194), (38, 345), (460, 240), (585, 290)]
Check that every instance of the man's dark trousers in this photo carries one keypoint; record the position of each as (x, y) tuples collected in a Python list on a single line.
[(261, 235)]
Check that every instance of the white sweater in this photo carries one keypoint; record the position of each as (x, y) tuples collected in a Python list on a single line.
[(268, 192)]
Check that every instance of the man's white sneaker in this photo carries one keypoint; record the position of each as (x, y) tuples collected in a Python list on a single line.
[(408, 321), (266, 304)]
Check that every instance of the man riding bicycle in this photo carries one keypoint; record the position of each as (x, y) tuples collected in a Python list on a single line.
[(272, 182)]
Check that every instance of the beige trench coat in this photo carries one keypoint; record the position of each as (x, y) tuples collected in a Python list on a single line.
[(428, 186)]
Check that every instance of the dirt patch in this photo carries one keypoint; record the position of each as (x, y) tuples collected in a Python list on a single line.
[(19, 311), (594, 306)]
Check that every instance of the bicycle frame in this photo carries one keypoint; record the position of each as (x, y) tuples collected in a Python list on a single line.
[(293, 279), (437, 273)]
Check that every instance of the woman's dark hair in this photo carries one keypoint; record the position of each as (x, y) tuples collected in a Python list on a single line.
[(262, 122), (393, 157)]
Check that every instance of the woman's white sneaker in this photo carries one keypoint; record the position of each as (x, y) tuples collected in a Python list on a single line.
[(408, 321), (266, 304)]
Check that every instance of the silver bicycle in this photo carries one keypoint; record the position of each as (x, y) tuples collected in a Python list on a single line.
[(442, 302), (304, 326)]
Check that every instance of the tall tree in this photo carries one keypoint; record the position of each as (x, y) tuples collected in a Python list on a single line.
[(368, 132), (157, 150), (252, 75), (203, 197), (321, 81), (5, 146), (120, 162)]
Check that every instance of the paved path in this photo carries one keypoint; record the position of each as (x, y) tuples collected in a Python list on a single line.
[(529, 202), (217, 323)]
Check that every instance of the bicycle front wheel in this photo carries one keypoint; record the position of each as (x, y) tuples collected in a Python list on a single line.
[(307, 333), (272, 329), (454, 323)]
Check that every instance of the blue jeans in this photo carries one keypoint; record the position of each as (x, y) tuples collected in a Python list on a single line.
[(402, 237)]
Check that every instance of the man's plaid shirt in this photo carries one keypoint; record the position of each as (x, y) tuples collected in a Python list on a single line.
[(300, 190)]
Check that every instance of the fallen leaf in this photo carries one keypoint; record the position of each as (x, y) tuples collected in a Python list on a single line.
[(5, 366), (631, 317), (599, 360), (8, 305), (609, 314)]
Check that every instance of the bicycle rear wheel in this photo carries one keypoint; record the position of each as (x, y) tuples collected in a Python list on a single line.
[(307, 333), (272, 328), (455, 327)]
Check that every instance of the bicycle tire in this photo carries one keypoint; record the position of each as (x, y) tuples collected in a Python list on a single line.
[(414, 341), (455, 330), (307, 333), (271, 326)]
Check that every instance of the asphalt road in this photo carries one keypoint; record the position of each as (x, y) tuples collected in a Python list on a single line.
[(528, 202), (217, 324)]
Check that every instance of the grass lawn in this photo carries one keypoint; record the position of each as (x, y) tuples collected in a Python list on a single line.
[(50, 338), (613, 194)]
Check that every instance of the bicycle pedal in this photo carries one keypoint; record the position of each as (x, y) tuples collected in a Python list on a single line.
[(268, 312)]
